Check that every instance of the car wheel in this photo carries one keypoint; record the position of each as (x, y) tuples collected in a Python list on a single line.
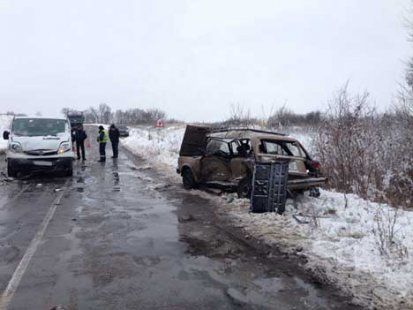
[(315, 192), (281, 209), (11, 172), (244, 188), (69, 171), (188, 179)]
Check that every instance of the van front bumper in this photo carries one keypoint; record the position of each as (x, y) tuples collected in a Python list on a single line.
[(41, 164)]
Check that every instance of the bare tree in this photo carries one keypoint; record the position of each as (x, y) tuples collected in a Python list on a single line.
[(239, 116), (105, 113)]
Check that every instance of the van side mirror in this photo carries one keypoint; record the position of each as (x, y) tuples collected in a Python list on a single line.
[(6, 135)]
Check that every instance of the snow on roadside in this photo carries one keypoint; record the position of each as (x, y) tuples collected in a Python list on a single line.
[(160, 146), (340, 236), (5, 121), (341, 240)]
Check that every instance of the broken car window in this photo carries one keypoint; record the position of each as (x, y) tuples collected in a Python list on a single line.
[(285, 148), (218, 146)]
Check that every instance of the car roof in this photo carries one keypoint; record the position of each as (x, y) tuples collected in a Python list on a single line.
[(275, 137), (251, 134)]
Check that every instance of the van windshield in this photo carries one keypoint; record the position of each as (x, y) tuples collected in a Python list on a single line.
[(32, 127)]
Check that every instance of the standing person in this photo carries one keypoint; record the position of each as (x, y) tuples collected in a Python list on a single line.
[(114, 139), (102, 139), (80, 137)]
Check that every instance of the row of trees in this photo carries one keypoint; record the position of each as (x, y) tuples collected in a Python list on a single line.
[(104, 114), (281, 118)]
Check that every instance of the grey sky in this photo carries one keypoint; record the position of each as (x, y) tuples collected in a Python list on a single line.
[(194, 59)]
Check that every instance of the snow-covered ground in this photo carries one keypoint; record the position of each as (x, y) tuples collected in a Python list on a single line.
[(4, 125), (360, 246), (157, 145)]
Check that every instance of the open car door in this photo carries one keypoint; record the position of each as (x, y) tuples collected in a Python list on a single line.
[(195, 141), (215, 165)]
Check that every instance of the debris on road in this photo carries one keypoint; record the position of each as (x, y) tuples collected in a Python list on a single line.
[(186, 218)]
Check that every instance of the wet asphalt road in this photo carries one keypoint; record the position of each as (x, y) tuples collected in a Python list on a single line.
[(121, 239)]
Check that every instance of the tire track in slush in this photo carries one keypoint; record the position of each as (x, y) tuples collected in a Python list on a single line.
[(15, 197), (18, 274)]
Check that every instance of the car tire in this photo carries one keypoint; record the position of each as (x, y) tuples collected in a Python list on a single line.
[(244, 188), (280, 210), (188, 179), (315, 192), (11, 172), (69, 171)]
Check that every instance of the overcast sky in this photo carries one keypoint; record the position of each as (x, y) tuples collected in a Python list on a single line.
[(194, 58)]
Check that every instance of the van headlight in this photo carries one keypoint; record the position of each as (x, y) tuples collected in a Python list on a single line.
[(15, 147), (63, 148)]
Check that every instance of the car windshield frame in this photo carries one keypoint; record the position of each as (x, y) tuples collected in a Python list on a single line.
[(38, 127)]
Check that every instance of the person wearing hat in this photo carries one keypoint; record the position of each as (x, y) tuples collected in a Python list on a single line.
[(102, 139), (114, 139)]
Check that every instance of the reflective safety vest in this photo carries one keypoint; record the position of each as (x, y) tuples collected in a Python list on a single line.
[(105, 137)]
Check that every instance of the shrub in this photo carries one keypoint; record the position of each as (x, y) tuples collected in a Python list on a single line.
[(366, 153)]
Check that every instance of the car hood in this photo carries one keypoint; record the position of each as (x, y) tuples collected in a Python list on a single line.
[(41, 143)]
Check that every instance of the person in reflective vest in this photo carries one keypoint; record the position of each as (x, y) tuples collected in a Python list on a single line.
[(102, 139)]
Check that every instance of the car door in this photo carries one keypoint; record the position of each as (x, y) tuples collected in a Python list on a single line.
[(215, 165), (239, 160)]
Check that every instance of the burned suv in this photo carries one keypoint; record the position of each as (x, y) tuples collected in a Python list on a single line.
[(225, 158)]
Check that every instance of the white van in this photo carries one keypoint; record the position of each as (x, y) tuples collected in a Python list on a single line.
[(39, 144)]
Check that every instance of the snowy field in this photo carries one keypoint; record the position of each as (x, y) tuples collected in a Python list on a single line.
[(360, 246), (4, 125)]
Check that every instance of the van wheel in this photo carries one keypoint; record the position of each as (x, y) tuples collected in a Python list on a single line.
[(11, 172), (188, 179), (69, 171), (244, 188)]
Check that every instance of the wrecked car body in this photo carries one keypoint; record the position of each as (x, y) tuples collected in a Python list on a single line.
[(225, 158)]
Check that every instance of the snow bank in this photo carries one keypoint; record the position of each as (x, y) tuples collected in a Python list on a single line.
[(341, 238), (5, 121), (360, 246), (157, 145)]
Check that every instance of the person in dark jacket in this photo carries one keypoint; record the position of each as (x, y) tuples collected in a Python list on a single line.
[(80, 137), (102, 139), (114, 139)]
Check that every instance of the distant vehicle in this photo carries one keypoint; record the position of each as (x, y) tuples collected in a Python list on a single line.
[(123, 131), (39, 143), (75, 118), (226, 159)]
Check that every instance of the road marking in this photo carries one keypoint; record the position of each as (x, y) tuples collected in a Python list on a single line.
[(14, 282)]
